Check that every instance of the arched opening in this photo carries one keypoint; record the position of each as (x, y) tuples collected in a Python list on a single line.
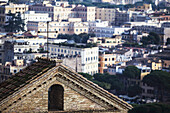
[(56, 98)]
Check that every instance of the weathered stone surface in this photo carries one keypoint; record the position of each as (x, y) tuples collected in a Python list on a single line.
[(79, 95)]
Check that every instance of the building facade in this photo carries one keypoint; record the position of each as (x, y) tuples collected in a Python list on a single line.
[(87, 56)]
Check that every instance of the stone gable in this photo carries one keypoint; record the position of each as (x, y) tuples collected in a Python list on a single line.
[(74, 93)]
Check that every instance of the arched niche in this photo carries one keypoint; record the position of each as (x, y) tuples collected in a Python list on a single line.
[(56, 98)]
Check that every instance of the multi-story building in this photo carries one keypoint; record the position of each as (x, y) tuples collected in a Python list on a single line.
[(121, 17), (45, 7), (88, 56), (32, 16), (106, 14), (123, 55), (106, 60), (102, 29), (106, 42), (114, 16), (146, 65), (144, 8), (6, 51), (117, 2), (85, 13), (63, 27), (13, 8), (63, 11)]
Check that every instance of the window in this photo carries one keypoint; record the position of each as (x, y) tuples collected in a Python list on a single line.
[(98, 65), (105, 65), (15, 71), (105, 59), (56, 98), (58, 50)]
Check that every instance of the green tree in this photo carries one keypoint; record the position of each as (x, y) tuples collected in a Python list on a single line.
[(111, 79), (160, 80), (132, 72), (81, 38), (152, 38), (151, 108), (134, 90), (86, 75), (15, 23)]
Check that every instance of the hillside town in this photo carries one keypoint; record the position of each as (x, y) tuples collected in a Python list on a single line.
[(122, 46)]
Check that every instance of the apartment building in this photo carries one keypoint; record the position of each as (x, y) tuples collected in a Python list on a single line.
[(154, 63), (144, 7), (32, 16), (63, 27), (124, 2), (13, 8), (106, 60), (106, 14), (115, 17), (121, 17), (102, 29), (62, 11), (123, 55), (85, 13), (6, 51), (88, 57), (45, 7), (105, 41)]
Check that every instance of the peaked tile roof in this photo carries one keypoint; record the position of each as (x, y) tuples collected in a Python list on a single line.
[(22, 78), (37, 69)]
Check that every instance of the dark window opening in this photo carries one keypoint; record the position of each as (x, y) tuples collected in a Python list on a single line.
[(56, 98)]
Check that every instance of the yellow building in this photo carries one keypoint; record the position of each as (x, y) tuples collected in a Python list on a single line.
[(13, 8), (63, 27), (144, 7), (105, 41), (106, 14), (105, 60)]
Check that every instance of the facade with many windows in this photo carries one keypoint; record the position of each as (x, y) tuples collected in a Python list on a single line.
[(88, 56), (55, 28)]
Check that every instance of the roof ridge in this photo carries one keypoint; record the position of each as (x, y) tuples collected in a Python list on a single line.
[(100, 88)]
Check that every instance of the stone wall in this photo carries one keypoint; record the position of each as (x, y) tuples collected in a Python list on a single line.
[(79, 94)]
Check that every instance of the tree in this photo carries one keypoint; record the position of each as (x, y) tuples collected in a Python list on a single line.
[(152, 38), (132, 72), (160, 80), (86, 75), (151, 108), (81, 38), (111, 79), (15, 23), (134, 90)]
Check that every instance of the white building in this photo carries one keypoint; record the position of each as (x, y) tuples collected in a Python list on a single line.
[(71, 26), (117, 2), (123, 55), (107, 31), (88, 56), (32, 16), (102, 29)]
